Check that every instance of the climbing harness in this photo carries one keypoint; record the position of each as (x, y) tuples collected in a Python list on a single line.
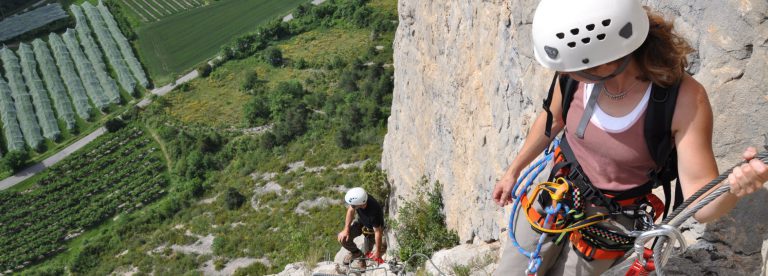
[(368, 231), (564, 215)]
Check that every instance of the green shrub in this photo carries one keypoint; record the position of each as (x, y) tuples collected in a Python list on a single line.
[(250, 82), (204, 70), (114, 124), (234, 199), (375, 181), (257, 111), (273, 56), (420, 225), (16, 160)]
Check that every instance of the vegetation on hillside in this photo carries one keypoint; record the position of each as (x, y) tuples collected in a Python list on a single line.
[(420, 225), (259, 152)]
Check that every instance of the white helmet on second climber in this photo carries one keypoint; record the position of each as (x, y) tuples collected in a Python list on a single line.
[(356, 196), (572, 35)]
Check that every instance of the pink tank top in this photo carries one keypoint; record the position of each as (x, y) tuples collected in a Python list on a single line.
[(613, 153)]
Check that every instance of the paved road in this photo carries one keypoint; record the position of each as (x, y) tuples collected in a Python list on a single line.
[(31, 171)]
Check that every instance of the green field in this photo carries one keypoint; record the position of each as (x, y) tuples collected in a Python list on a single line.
[(177, 43)]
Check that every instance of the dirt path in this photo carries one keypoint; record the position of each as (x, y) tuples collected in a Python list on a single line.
[(162, 147)]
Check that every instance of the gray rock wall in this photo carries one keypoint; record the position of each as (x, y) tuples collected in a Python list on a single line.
[(467, 87)]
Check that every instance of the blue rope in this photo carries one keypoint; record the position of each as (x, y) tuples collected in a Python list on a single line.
[(536, 168)]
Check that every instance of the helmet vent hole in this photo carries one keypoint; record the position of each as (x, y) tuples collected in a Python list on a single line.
[(560, 35), (575, 31), (626, 31), (571, 44), (585, 40), (551, 52), (585, 61), (590, 27), (606, 22), (600, 36)]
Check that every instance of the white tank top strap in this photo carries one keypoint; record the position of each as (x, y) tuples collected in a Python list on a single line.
[(613, 124)]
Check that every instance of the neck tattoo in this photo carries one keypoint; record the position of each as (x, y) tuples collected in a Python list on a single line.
[(620, 95)]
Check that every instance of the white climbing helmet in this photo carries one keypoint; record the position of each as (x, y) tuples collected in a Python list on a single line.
[(572, 35), (356, 196)]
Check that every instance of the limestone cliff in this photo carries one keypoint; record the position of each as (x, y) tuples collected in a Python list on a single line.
[(467, 87)]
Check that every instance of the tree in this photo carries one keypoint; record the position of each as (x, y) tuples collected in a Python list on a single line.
[(204, 70), (257, 111), (362, 16), (209, 143), (233, 199), (114, 124), (348, 81), (292, 125), (344, 137), (16, 160), (273, 56), (251, 82), (284, 96)]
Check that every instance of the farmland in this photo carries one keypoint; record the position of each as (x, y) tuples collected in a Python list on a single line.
[(203, 169), (179, 42), (154, 10), (51, 84), (120, 173)]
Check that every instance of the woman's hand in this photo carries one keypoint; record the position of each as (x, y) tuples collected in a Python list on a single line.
[(749, 177), (502, 192)]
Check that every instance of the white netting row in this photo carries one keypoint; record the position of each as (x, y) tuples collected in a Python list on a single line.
[(125, 46), (22, 101), (54, 83), (69, 74), (40, 100), (94, 55), (11, 129), (86, 70), (108, 45)]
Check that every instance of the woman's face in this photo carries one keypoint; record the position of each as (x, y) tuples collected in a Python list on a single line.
[(599, 71)]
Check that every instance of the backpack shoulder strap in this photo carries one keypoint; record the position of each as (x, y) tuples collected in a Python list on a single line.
[(567, 89), (658, 122), (661, 144)]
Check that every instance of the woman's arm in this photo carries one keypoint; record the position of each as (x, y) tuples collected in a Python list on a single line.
[(535, 143), (692, 127)]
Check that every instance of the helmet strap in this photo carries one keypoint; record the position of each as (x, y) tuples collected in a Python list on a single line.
[(615, 73)]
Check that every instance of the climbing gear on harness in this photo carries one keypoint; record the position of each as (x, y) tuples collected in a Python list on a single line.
[(518, 191), (575, 35), (368, 231)]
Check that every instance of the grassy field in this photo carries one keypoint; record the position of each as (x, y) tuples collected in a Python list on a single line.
[(217, 101), (154, 10), (179, 42)]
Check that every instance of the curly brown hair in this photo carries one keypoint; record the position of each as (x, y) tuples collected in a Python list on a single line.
[(663, 56)]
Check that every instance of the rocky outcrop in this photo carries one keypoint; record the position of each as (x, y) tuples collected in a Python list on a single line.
[(467, 88)]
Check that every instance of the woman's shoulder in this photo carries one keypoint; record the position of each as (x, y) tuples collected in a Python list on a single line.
[(690, 87), (692, 102)]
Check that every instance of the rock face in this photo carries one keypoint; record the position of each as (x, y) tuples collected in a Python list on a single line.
[(467, 88)]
